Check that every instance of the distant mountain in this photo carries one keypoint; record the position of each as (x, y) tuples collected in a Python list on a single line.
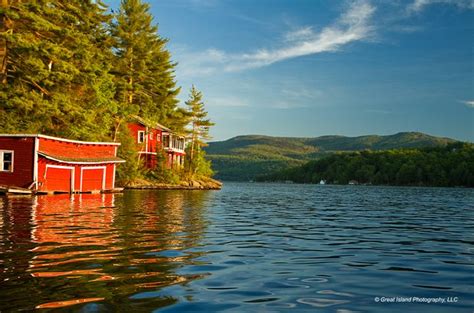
[(246, 157)]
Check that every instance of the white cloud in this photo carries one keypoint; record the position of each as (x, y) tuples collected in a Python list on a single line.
[(419, 5), (354, 25), (305, 33), (469, 103)]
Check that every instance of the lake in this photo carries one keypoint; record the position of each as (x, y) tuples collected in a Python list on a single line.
[(246, 248)]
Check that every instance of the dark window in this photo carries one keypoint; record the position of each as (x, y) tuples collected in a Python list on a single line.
[(6, 161), (166, 141), (141, 136)]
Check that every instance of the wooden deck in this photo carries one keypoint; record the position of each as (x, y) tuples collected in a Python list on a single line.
[(14, 190)]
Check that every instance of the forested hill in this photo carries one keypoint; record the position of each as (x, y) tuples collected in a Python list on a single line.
[(448, 166), (246, 157)]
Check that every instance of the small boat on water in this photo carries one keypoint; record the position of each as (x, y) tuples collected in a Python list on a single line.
[(322, 182)]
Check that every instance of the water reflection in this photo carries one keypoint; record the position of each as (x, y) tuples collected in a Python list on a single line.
[(62, 251), (247, 248)]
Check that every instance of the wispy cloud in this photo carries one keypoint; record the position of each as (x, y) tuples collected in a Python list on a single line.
[(227, 101), (406, 29), (288, 105), (352, 26), (301, 93), (302, 34), (468, 103), (419, 5)]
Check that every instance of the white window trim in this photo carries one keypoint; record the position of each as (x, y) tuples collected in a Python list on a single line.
[(1, 160), (138, 138)]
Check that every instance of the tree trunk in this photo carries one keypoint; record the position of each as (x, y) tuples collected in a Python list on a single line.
[(117, 127), (3, 46)]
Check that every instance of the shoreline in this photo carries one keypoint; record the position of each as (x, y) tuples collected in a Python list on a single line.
[(170, 187), (199, 184)]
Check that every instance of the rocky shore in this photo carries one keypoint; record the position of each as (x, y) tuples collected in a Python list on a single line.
[(198, 184)]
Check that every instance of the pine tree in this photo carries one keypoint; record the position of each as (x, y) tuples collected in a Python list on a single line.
[(56, 69), (199, 131), (143, 68)]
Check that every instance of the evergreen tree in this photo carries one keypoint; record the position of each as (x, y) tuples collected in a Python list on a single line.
[(56, 78), (199, 132), (144, 72)]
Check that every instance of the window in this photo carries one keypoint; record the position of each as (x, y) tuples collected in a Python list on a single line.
[(166, 141), (6, 161), (158, 137), (141, 136)]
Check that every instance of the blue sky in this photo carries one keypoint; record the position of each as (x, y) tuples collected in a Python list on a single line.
[(308, 68)]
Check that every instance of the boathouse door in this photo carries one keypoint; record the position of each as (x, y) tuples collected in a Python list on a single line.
[(59, 178), (92, 178)]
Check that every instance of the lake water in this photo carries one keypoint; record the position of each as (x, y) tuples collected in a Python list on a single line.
[(247, 248)]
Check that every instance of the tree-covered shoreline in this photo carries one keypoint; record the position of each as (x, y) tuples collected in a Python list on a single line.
[(244, 158), (450, 166), (73, 69)]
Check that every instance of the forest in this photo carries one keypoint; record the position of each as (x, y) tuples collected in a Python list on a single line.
[(78, 70), (452, 165), (244, 158)]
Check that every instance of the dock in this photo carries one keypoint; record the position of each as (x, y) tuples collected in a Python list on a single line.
[(14, 190)]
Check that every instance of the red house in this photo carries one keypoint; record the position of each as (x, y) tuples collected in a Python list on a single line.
[(150, 139), (50, 164)]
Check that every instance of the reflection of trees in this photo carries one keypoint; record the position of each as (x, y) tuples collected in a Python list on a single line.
[(15, 243), (91, 247)]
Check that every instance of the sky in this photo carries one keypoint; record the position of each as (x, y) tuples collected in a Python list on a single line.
[(307, 68)]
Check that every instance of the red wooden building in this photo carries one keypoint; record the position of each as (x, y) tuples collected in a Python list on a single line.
[(150, 139), (50, 164)]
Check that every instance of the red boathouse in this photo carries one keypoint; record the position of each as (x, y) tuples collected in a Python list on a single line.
[(50, 164)]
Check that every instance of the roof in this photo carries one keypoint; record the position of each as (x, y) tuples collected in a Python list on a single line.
[(61, 139), (155, 125), (163, 127), (64, 159)]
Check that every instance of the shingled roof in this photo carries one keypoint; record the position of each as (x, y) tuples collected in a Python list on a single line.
[(64, 159)]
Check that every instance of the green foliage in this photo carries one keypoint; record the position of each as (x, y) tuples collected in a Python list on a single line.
[(57, 69), (246, 157), (239, 168), (165, 176), (75, 71), (198, 165), (132, 169), (195, 163), (162, 173), (142, 67), (452, 165)]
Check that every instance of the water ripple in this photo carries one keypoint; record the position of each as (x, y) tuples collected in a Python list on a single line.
[(247, 248)]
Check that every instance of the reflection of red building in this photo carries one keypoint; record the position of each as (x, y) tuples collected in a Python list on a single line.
[(151, 139), (76, 220), (44, 163)]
